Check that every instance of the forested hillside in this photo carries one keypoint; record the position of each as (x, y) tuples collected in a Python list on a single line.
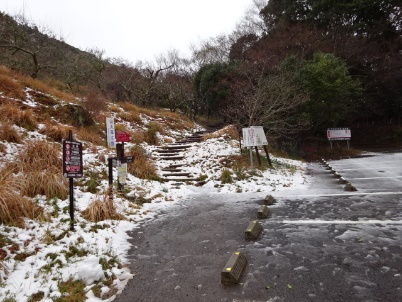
[(294, 67)]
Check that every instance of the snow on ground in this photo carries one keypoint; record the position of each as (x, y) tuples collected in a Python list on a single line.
[(41, 259)]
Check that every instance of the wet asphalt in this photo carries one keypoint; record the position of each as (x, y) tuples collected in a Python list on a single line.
[(321, 244)]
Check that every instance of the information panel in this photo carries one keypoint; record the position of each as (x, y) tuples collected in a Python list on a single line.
[(339, 134), (110, 132), (254, 136), (72, 159)]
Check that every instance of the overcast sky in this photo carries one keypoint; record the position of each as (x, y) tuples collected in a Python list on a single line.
[(132, 29)]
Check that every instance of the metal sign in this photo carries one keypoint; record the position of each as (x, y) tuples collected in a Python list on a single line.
[(339, 134), (254, 136), (110, 133), (72, 159), (122, 137), (124, 160), (122, 173)]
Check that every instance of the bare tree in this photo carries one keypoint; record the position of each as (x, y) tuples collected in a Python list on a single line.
[(270, 99), (19, 36)]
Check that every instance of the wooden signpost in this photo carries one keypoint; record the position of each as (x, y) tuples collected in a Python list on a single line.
[(254, 136), (339, 134), (72, 167)]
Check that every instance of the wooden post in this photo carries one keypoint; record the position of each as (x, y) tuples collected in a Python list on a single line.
[(258, 156), (71, 184), (267, 154)]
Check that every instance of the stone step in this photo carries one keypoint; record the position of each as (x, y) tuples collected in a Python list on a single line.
[(171, 158), (170, 154), (175, 166), (175, 147), (180, 179), (171, 170), (167, 150), (176, 174)]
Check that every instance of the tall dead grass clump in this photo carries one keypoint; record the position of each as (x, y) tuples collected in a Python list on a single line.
[(151, 135), (56, 132), (141, 166), (11, 113), (90, 134), (13, 206), (39, 165), (9, 134), (11, 87), (102, 209)]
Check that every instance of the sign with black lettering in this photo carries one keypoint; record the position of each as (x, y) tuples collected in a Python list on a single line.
[(72, 159)]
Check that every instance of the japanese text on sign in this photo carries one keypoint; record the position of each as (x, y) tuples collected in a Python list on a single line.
[(72, 159)]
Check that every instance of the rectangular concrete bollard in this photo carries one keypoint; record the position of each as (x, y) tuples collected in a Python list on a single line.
[(253, 230), (269, 200), (233, 269), (263, 212)]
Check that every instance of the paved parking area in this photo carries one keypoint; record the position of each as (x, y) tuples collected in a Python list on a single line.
[(323, 244)]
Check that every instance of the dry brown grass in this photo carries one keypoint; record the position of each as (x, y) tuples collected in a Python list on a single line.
[(91, 135), (131, 117), (39, 168), (14, 207), (129, 107), (229, 132), (56, 132), (102, 209), (39, 155), (151, 136), (11, 87), (36, 84), (137, 137), (141, 167), (13, 114), (9, 134), (48, 183)]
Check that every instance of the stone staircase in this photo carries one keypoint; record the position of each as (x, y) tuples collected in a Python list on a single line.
[(169, 158)]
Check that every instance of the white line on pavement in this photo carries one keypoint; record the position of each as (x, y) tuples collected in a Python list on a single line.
[(399, 222)]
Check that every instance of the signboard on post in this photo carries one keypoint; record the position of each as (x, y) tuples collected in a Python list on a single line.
[(339, 134), (254, 136), (122, 173), (122, 137), (72, 159), (110, 133)]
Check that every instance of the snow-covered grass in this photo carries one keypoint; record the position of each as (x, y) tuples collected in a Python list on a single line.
[(46, 261)]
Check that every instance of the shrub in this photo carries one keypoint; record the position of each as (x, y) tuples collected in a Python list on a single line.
[(95, 102), (151, 136), (76, 115), (226, 177)]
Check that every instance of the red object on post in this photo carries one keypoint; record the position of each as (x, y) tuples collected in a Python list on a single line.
[(122, 137)]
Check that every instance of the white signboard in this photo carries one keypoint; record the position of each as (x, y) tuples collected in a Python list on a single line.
[(339, 134), (110, 132), (254, 136), (122, 173)]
